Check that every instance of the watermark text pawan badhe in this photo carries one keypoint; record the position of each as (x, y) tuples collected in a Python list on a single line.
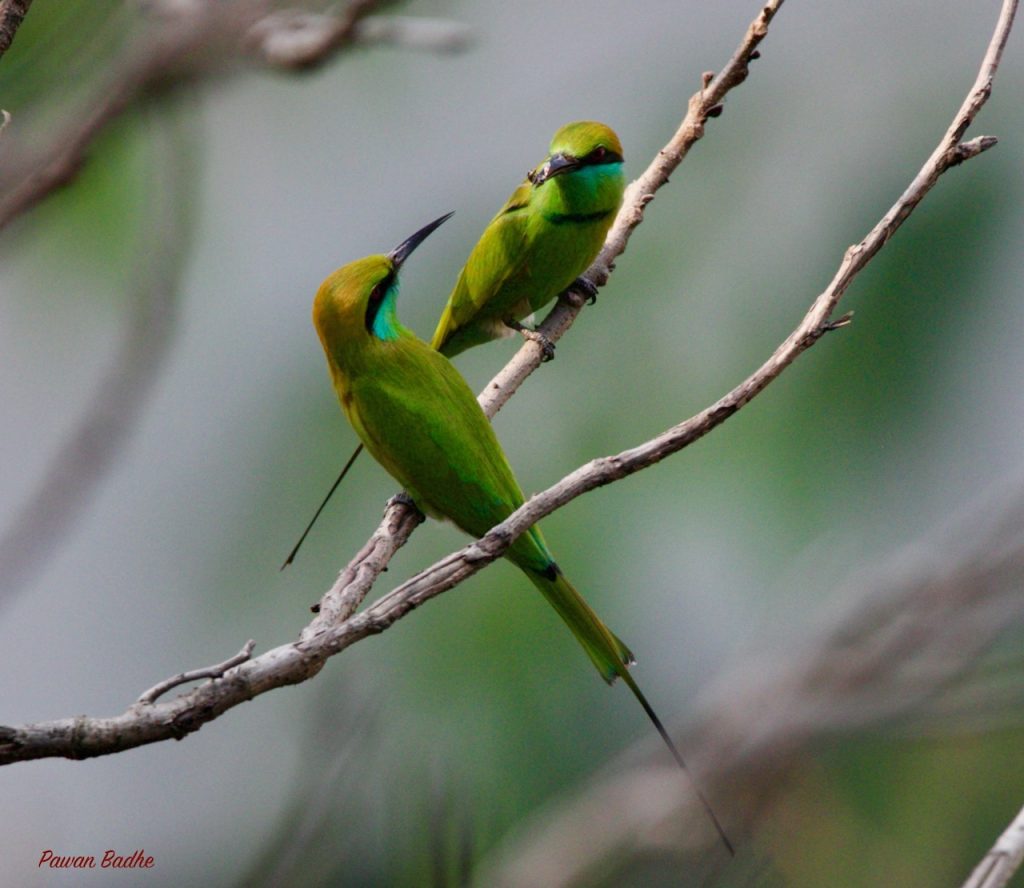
[(109, 859)]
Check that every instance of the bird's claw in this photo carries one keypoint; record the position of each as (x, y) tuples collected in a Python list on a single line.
[(585, 285), (547, 347), (401, 499)]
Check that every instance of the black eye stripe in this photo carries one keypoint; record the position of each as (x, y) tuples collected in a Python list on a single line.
[(601, 155), (376, 298)]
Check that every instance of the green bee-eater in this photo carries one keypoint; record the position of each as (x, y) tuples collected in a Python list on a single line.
[(545, 236), (419, 419)]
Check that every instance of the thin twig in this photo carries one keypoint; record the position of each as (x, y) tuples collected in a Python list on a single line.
[(157, 691), (408, 32)]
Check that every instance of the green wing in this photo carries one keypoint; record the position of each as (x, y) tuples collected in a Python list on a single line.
[(495, 258), (419, 419)]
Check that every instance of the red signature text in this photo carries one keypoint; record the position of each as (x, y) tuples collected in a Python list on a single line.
[(110, 859)]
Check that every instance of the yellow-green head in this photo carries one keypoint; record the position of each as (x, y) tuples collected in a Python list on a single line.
[(357, 302)]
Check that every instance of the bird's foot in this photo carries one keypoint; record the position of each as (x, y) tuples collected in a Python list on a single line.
[(413, 512), (401, 499), (585, 285), (547, 347)]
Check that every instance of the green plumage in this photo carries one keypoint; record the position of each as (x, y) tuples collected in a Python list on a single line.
[(419, 419), (545, 236)]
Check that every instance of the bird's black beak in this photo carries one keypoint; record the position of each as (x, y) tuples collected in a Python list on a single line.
[(555, 165), (400, 253)]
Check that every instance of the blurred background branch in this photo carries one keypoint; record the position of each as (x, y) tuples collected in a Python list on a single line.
[(182, 44), (88, 453), (298, 39), (414, 32)]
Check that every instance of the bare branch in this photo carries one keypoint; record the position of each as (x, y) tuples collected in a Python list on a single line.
[(12, 14), (1004, 858), (157, 691), (143, 723), (297, 39)]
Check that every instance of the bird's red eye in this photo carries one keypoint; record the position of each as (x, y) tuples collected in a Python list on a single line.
[(602, 154)]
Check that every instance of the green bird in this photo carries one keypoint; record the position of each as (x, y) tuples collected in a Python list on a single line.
[(419, 419), (546, 235)]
